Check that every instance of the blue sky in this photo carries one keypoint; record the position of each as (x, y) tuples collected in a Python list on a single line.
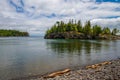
[(36, 16)]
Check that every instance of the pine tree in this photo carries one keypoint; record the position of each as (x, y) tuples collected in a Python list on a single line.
[(79, 26), (115, 31), (87, 28), (106, 30), (96, 30)]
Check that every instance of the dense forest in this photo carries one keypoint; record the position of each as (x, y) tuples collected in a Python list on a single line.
[(75, 29), (12, 33)]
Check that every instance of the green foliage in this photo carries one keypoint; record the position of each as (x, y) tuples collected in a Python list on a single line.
[(115, 31), (106, 30), (96, 30), (87, 29), (79, 26), (7, 33)]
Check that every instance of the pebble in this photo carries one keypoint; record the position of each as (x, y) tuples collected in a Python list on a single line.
[(104, 72)]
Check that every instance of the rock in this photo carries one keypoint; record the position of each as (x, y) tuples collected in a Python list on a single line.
[(77, 35), (108, 70)]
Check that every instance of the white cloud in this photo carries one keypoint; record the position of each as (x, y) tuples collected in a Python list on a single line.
[(112, 23), (39, 15)]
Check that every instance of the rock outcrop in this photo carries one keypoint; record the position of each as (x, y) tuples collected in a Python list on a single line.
[(77, 35)]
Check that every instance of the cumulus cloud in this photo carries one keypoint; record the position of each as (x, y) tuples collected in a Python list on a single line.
[(112, 23), (36, 16)]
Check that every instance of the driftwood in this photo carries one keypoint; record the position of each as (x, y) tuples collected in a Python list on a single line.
[(98, 65), (58, 73)]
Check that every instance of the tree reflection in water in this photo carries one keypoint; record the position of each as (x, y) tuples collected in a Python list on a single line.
[(72, 46)]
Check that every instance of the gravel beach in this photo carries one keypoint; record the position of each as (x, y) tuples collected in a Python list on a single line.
[(108, 70)]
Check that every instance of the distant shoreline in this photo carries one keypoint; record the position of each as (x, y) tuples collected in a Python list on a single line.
[(13, 33)]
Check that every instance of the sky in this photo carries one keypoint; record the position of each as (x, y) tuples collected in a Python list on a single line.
[(36, 16)]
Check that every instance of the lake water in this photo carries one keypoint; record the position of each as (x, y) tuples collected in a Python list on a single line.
[(26, 56)]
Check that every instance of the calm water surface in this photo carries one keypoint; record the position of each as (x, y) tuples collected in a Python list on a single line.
[(21, 57)]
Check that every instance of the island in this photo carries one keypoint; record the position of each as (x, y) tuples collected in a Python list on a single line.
[(75, 30), (12, 33)]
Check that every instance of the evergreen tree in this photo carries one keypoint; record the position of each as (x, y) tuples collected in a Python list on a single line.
[(79, 26), (7, 33), (115, 31), (69, 26), (73, 26), (106, 30), (87, 28), (96, 30)]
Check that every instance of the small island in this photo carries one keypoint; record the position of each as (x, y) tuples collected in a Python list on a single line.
[(75, 30), (12, 33)]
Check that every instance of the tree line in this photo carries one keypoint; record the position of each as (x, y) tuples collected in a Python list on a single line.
[(87, 29), (14, 33)]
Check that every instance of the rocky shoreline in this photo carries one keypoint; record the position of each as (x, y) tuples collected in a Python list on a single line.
[(76, 35), (108, 70)]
